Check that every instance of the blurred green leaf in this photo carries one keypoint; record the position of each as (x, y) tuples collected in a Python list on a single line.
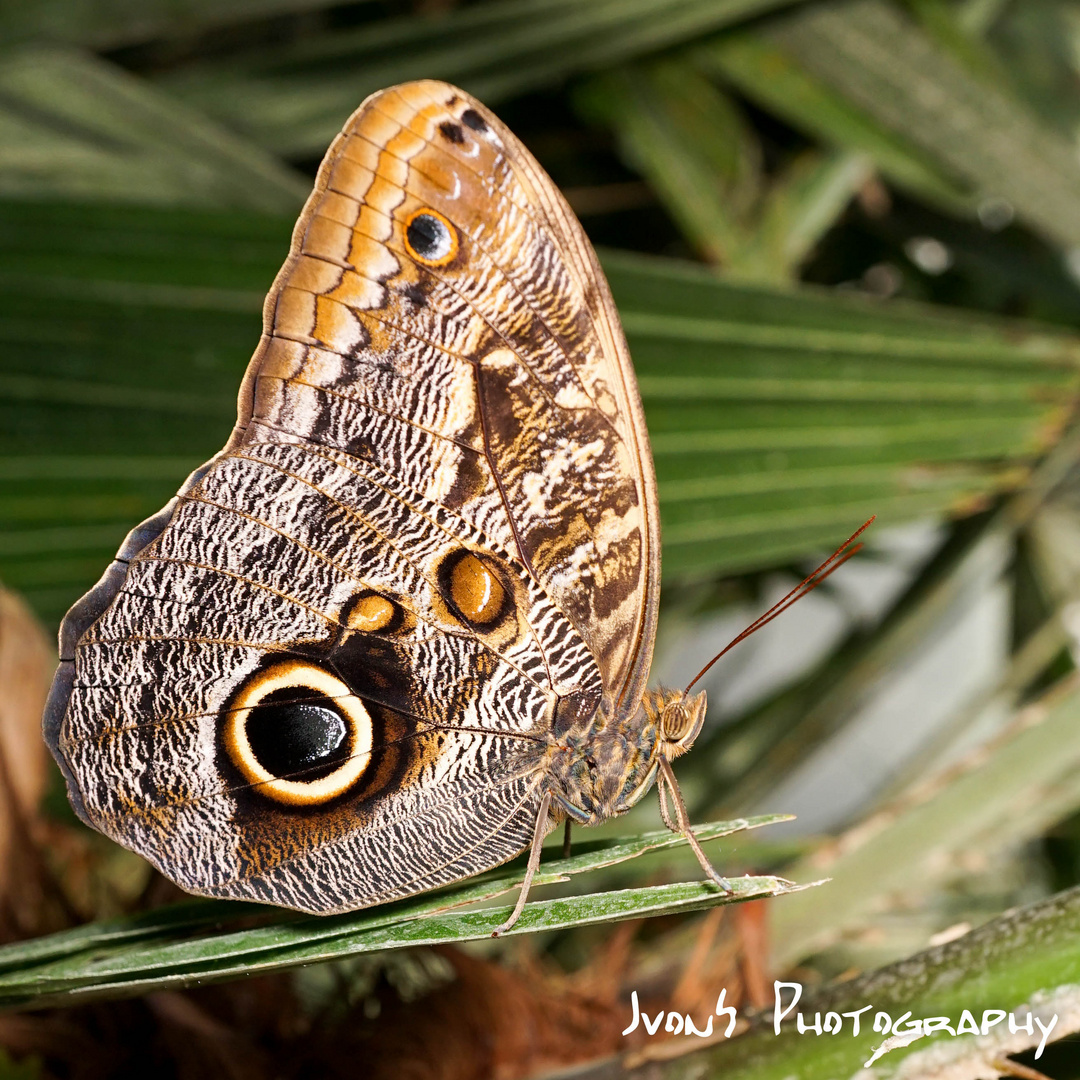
[(977, 16), (973, 130), (688, 139), (294, 99), (924, 838), (77, 126), (779, 420), (742, 382), (944, 23), (743, 760), (801, 206), (771, 78), (109, 24), (1036, 43), (690, 142), (26, 1068)]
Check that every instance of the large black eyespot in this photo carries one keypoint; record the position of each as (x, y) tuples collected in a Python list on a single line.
[(298, 740), (298, 734), (430, 238)]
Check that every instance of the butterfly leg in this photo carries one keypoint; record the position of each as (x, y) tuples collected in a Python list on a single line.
[(665, 810), (667, 776), (566, 839), (534, 864)]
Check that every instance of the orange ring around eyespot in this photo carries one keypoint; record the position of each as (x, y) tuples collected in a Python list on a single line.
[(442, 260), (293, 673)]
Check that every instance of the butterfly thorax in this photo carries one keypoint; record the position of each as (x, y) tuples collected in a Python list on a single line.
[(602, 769)]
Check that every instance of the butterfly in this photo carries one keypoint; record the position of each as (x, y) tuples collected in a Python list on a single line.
[(400, 627)]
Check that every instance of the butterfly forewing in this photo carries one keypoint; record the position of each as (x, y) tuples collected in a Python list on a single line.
[(327, 675)]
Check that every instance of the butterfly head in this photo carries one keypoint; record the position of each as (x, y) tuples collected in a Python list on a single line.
[(677, 716)]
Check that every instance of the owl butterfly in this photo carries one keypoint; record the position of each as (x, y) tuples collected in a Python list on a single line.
[(401, 625)]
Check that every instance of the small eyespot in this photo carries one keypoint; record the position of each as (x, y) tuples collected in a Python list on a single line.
[(298, 734), (430, 238), (473, 589), (471, 118), (452, 131), (371, 612), (476, 590)]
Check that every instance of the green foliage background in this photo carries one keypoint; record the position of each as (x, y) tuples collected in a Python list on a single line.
[(844, 239)]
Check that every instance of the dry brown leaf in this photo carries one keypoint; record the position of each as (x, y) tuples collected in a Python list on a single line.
[(490, 1023), (27, 661)]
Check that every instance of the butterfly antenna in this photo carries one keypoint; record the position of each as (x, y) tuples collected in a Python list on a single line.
[(808, 584)]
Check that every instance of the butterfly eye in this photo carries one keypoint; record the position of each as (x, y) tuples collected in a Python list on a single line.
[(475, 591), (676, 720), (430, 238), (298, 734), (681, 720)]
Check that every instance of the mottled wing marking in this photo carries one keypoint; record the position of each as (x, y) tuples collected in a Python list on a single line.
[(398, 408), (521, 322)]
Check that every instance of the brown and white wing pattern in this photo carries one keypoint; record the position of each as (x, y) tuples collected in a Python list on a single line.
[(328, 674)]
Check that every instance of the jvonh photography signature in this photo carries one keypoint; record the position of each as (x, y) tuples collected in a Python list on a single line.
[(897, 1031)]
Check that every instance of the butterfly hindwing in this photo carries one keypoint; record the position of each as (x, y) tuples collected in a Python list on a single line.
[(327, 675)]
